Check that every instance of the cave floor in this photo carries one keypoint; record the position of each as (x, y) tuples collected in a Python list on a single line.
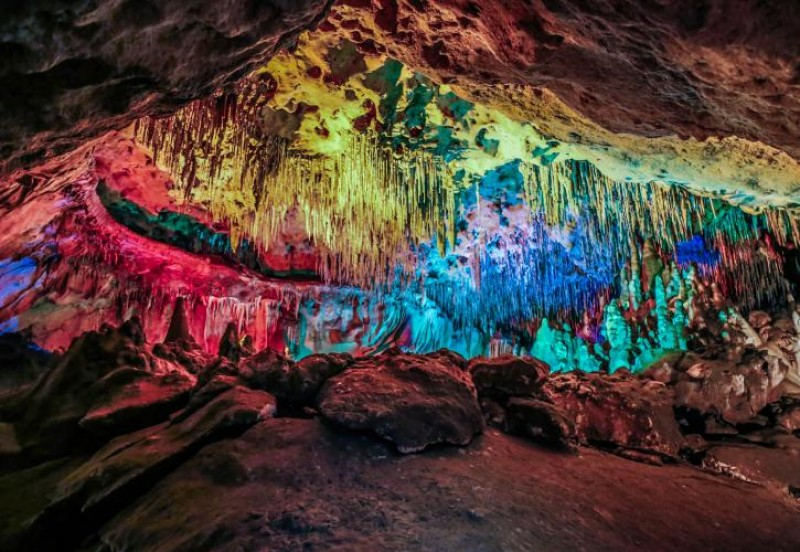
[(295, 484)]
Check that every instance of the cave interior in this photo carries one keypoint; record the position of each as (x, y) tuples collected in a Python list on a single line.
[(400, 275)]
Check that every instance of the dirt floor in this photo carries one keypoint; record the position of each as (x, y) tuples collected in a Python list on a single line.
[(293, 484)]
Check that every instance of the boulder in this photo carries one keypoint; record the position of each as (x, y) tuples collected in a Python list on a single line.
[(617, 410), (542, 422), (412, 400), (294, 383), (507, 375)]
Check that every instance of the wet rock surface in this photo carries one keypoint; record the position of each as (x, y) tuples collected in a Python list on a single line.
[(411, 400)]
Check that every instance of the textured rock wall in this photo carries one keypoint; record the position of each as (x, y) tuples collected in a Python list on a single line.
[(71, 70)]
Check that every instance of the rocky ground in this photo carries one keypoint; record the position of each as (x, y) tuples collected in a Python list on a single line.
[(120, 445)]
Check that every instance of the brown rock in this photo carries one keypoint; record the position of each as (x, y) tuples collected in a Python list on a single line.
[(75, 73), (106, 383), (229, 346), (129, 464), (412, 400), (617, 409), (541, 421), (507, 375), (734, 392), (295, 383), (789, 418)]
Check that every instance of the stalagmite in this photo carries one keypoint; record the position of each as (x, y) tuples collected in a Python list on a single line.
[(179, 328)]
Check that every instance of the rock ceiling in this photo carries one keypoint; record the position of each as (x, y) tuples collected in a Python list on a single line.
[(699, 93)]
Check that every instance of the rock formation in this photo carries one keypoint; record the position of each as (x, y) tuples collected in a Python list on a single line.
[(75, 72)]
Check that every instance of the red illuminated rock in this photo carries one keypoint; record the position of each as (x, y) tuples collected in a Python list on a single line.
[(134, 400), (106, 384)]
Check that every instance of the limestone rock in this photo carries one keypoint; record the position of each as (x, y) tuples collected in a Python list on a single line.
[(109, 375), (734, 391), (134, 400), (295, 383), (127, 465), (412, 400)]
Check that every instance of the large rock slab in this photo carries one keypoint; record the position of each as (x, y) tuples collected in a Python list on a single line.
[(109, 376), (412, 400), (292, 485), (128, 465), (135, 400), (618, 410)]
